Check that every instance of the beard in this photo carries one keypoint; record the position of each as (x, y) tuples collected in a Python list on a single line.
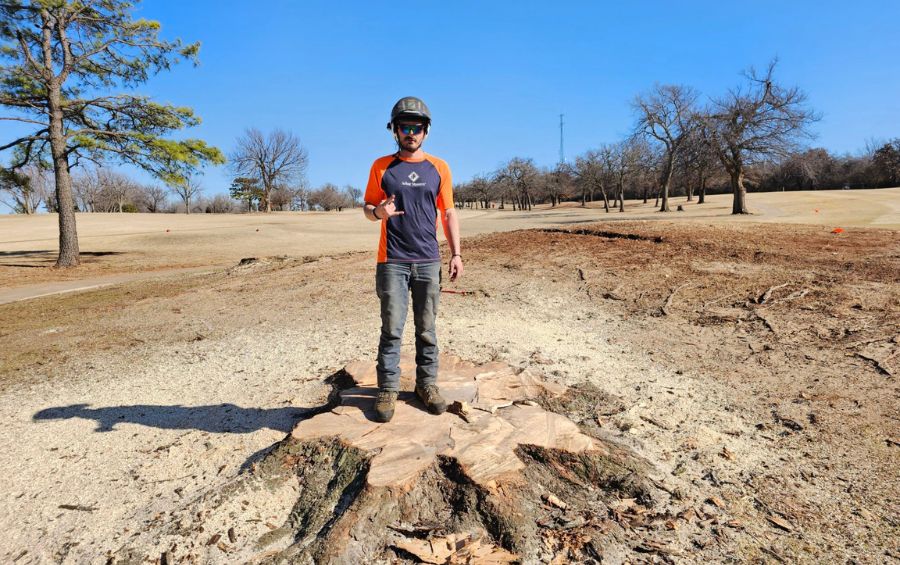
[(410, 144)]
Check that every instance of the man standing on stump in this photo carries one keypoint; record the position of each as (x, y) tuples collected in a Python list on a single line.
[(407, 192)]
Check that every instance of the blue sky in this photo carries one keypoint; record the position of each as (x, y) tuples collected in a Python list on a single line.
[(496, 75)]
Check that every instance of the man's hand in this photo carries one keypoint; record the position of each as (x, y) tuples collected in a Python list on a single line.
[(455, 268), (387, 208)]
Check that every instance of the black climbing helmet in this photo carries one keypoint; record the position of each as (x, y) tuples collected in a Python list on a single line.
[(409, 107)]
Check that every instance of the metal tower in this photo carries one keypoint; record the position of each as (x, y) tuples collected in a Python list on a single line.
[(562, 155)]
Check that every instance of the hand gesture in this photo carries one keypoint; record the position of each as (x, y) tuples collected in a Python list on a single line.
[(387, 208)]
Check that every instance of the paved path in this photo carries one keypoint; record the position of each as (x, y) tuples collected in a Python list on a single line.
[(28, 292)]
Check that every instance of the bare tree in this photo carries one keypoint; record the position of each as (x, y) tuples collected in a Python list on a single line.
[(328, 198), (353, 194), (481, 190), (153, 198), (220, 204), (116, 190), (520, 175), (591, 175), (886, 161), (300, 201), (276, 160), (187, 190), (755, 121), (698, 157), (281, 198), (25, 191), (86, 188), (555, 184), (105, 190), (628, 157), (806, 170), (667, 114)]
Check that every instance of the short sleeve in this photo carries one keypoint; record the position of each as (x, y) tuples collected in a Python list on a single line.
[(445, 192), (374, 193)]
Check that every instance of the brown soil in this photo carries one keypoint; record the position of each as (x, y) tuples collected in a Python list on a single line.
[(752, 366)]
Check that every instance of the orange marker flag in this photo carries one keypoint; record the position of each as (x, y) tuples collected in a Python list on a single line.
[(837, 230)]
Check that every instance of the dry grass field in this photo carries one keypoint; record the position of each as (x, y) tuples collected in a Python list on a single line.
[(115, 247), (750, 362)]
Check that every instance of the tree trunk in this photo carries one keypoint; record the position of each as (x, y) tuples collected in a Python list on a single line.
[(264, 202), (667, 180), (701, 197), (605, 198), (621, 197), (739, 205), (68, 234)]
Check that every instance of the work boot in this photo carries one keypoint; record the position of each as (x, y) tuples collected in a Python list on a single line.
[(431, 396), (384, 405)]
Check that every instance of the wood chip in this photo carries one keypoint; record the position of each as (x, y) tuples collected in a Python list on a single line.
[(716, 501), (780, 522), (768, 294), (78, 507), (553, 500), (461, 409), (457, 548), (214, 540)]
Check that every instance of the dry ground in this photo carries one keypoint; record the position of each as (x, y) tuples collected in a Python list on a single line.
[(117, 246), (753, 365)]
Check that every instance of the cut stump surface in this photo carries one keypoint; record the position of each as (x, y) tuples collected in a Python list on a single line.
[(501, 419)]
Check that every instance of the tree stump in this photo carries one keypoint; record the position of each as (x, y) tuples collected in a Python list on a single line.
[(485, 485), (503, 480)]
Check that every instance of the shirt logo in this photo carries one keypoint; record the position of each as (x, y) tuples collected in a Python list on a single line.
[(413, 176)]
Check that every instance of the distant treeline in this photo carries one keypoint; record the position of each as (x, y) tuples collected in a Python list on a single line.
[(106, 190), (634, 165)]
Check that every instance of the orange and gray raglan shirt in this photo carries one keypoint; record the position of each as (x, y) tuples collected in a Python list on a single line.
[(421, 188)]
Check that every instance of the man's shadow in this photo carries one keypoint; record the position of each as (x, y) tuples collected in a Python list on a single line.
[(218, 418)]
